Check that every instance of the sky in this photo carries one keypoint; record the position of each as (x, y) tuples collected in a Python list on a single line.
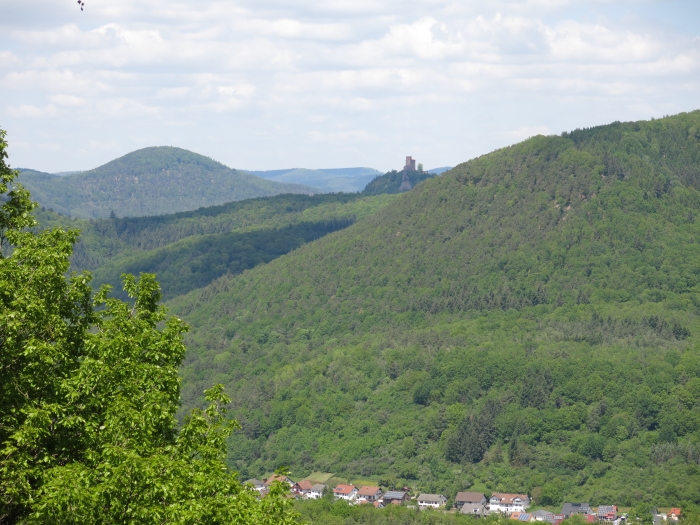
[(272, 84)]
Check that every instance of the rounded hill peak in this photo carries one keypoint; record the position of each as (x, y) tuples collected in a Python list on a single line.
[(151, 181), (155, 158)]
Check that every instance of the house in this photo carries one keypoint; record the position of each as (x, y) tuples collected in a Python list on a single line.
[(431, 501), (571, 509), (606, 513), (472, 503), (508, 503), (522, 516), (346, 492), (378, 504), (474, 509), (316, 491), (543, 515), (281, 479), (475, 498), (304, 487), (395, 497), (674, 514), (369, 494), (257, 484)]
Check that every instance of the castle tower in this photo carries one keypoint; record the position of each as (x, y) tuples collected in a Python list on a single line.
[(410, 164)]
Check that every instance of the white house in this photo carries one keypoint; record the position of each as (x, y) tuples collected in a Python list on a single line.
[(433, 501), (346, 492), (316, 491), (508, 503), (304, 486), (369, 494)]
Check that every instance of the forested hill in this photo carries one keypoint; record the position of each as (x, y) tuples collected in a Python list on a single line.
[(528, 321), (391, 182), (188, 250), (150, 181)]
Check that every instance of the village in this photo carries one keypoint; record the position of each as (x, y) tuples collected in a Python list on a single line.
[(475, 504)]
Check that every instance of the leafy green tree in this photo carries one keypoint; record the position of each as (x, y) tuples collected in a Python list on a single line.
[(88, 393), (551, 493), (642, 513)]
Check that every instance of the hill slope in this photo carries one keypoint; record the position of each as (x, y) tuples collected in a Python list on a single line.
[(392, 181), (188, 250), (527, 321), (150, 181)]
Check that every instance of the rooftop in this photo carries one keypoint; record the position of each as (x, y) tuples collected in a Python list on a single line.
[(305, 484), (432, 498), (469, 497), (508, 498), (368, 490), (255, 482)]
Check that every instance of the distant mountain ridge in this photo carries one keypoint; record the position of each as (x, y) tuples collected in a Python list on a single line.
[(150, 181), (438, 171), (333, 180)]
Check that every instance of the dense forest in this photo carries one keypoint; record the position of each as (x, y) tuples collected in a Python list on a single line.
[(391, 181), (188, 250), (528, 321), (198, 260), (149, 181), (328, 512)]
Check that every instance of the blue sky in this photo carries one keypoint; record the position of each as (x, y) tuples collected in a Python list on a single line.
[(271, 84)]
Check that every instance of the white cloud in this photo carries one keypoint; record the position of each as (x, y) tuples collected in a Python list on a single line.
[(338, 137), (29, 111), (68, 100), (243, 90), (302, 79)]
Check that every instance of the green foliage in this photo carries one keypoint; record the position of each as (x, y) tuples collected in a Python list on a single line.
[(88, 398), (150, 181), (390, 182), (196, 261), (329, 512), (529, 319), (190, 249)]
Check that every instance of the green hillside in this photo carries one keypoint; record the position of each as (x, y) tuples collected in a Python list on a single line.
[(391, 181), (196, 261), (188, 250), (150, 181), (528, 321)]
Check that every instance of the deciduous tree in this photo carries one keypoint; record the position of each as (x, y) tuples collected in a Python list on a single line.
[(89, 389)]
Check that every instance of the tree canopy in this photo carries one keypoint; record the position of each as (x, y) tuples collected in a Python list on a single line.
[(530, 321), (89, 390)]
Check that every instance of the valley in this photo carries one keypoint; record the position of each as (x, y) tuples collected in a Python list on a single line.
[(526, 322)]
